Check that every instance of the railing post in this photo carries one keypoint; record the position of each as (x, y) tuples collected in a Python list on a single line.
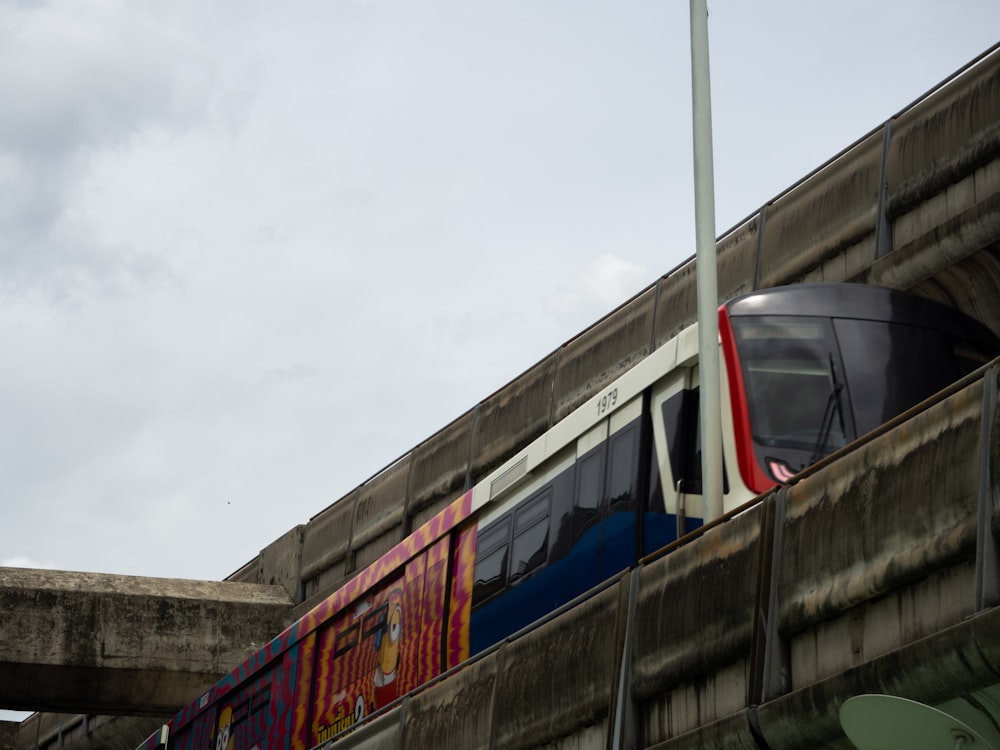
[(623, 726), (987, 567), (774, 676), (883, 227)]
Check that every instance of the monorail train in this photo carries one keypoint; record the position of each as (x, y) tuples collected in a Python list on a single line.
[(807, 369)]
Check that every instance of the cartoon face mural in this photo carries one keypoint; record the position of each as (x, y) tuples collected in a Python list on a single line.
[(361, 664), (223, 734), (387, 646)]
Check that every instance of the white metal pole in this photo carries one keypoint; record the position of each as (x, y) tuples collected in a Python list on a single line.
[(708, 286)]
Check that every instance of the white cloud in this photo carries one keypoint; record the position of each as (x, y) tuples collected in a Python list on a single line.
[(83, 80), (599, 285), (90, 72), (25, 562)]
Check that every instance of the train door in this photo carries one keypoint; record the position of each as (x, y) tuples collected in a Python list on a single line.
[(621, 489), (385, 644), (243, 719), (256, 714), (463, 562), (674, 504), (584, 570), (357, 654), (605, 497), (523, 555)]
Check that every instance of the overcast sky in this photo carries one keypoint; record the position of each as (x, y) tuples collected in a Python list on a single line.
[(252, 252)]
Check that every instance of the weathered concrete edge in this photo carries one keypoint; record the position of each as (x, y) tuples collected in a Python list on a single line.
[(956, 659), (168, 588)]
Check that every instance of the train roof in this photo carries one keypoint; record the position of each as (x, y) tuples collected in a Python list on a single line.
[(864, 302)]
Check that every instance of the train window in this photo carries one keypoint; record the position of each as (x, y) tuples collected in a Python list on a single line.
[(346, 641), (493, 537), (794, 389), (260, 700), (561, 516), (590, 481), (789, 403), (680, 420), (532, 512), (875, 352), (375, 622), (682, 423), (490, 575), (621, 488), (531, 535)]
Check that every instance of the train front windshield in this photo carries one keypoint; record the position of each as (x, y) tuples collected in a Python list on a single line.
[(813, 384), (794, 389)]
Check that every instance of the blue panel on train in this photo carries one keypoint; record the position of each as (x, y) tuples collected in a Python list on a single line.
[(520, 606), (619, 543)]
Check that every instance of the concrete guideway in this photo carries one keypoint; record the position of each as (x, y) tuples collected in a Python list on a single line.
[(115, 644)]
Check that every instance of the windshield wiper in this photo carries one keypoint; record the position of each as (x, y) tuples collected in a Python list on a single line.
[(826, 427)]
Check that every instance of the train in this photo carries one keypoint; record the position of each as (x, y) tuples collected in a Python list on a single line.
[(806, 369)]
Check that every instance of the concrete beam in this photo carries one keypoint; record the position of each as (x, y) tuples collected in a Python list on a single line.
[(110, 644), (47, 731), (8, 734)]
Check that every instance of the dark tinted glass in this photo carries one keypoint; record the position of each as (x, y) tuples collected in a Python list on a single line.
[(682, 423), (375, 622), (528, 550), (622, 482), (493, 537), (531, 535), (891, 367), (490, 574), (590, 482), (346, 640), (789, 371), (532, 511)]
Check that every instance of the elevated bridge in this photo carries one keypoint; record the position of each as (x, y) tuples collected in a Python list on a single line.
[(913, 205), (125, 644)]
